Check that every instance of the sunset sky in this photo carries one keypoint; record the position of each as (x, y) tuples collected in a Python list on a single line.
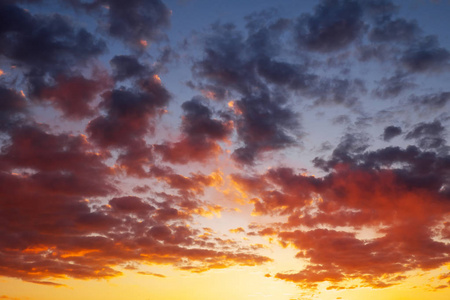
[(224, 149)]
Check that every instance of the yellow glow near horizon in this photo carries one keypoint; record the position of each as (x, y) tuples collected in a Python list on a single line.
[(237, 283)]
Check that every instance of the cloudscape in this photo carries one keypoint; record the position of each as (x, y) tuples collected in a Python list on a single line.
[(209, 149)]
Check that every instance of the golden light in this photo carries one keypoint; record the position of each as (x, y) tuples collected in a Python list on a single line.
[(209, 94), (157, 79)]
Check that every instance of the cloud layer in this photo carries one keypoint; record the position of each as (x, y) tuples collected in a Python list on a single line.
[(103, 165)]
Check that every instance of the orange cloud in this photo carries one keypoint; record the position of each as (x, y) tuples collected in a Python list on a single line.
[(152, 274), (237, 230), (326, 218), (51, 231)]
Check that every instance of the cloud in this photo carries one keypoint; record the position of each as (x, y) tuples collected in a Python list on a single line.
[(47, 283), (200, 135), (129, 114), (338, 91), (428, 135), (397, 30), (333, 26), (264, 125), (59, 234), (393, 86), (426, 56), (51, 53), (152, 274), (130, 205), (12, 108), (137, 20), (35, 149), (54, 224), (45, 46), (390, 132), (262, 117), (136, 159), (195, 184), (68, 204), (73, 94), (43, 41), (431, 101), (127, 66), (133, 21), (260, 71), (387, 191), (425, 129), (237, 230)]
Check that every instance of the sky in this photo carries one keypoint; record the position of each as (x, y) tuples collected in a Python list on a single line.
[(211, 149)]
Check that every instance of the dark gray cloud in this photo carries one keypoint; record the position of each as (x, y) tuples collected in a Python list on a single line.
[(428, 135), (43, 42), (425, 130), (431, 101), (415, 166), (137, 20), (293, 76), (333, 26), (338, 91), (262, 118), (127, 66), (132, 21), (224, 62), (12, 106), (426, 55), (380, 9), (198, 121), (349, 145), (264, 125), (390, 132), (130, 114), (397, 30), (341, 120), (393, 86), (49, 50), (258, 63), (201, 134)]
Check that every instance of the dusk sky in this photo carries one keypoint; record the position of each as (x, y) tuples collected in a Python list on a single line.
[(224, 149)]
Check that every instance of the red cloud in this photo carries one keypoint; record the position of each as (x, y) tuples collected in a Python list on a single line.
[(187, 150), (52, 224), (405, 217), (73, 95)]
